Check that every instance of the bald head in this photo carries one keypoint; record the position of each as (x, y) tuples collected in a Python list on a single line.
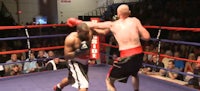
[(123, 10)]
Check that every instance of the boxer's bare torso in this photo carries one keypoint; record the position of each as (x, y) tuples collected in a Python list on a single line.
[(126, 33)]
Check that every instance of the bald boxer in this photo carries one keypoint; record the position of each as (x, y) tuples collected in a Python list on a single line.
[(127, 31), (76, 52)]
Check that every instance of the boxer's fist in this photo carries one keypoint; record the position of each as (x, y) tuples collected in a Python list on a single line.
[(83, 47), (73, 22)]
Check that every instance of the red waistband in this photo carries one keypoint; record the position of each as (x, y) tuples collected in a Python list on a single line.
[(130, 52), (84, 57)]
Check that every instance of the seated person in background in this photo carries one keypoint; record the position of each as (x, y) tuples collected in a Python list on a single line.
[(51, 55), (189, 67), (195, 81), (9, 67), (180, 64), (171, 67), (153, 70), (146, 61), (165, 60), (2, 71), (53, 64), (31, 64), (15, 70), (41, 59)]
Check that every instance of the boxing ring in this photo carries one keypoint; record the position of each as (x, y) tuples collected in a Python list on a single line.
[(44, 81)]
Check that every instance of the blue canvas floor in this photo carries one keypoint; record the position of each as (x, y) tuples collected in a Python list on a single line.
[(44, 81)]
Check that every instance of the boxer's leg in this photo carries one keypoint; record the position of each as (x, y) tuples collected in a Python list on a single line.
[(61, 85), (136, 63), (110, 84), (83, 89), (135, 81)]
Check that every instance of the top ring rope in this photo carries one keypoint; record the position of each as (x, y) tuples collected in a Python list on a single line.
[(34, 37), (31, 26), (55, 25)]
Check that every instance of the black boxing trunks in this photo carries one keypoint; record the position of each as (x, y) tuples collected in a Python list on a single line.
[(129, 64), (78, 74)]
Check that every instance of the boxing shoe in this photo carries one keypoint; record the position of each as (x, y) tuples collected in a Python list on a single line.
[(55, 88)]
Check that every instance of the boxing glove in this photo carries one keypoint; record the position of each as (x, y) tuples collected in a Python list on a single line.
[(83, 47), (71, 22)]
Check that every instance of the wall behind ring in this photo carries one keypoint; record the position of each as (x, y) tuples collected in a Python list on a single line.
[(55, 10)]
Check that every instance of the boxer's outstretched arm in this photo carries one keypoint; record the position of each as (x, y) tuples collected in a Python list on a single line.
[(74, 22), (103, 25), (143, 32), (101, 31)]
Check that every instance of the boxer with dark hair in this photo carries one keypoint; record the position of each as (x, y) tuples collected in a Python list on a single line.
[(76, 50), (127, 31)]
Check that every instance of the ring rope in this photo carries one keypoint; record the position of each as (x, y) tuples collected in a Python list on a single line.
[(177, 42), (34, 37), (181, 42), (31, 26), (57, 25), (63, 35), (183, 73), (33, 49), (173, 28)]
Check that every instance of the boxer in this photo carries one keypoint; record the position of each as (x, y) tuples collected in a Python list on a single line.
[(76, 49)]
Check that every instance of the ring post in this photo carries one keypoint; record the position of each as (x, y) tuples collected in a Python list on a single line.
[(159, 43), (28, 42)]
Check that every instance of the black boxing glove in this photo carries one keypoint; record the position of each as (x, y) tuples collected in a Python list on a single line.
[(83, 47)]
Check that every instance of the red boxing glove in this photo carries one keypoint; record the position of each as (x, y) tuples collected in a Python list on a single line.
[(73, 22)]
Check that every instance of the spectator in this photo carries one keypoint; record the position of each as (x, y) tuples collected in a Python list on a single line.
[(30, 65), (9, 67), (194, 82), (180, 64), (51, 55), (15, 70), (2, 71), (171, 67), (156, 62), (53, 64), (41, 59), (165, 60), (189, 66), (153, 70)]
